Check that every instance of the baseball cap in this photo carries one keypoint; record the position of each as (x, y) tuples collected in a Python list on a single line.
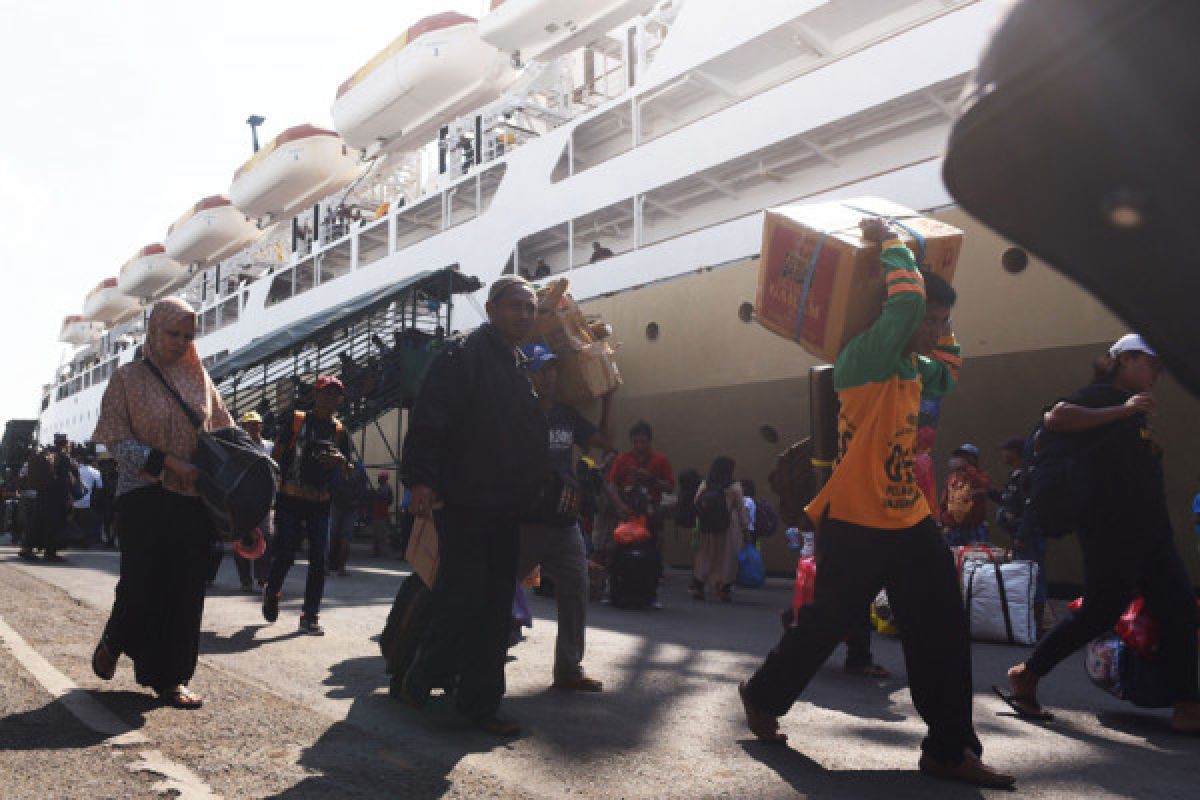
[(1131, 343), (503, 284), (968, 448), (537, 356), (250, 416), (326, 381)]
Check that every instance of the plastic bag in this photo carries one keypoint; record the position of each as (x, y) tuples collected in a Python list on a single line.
[(632, 531), (752, 573), (806, 579)]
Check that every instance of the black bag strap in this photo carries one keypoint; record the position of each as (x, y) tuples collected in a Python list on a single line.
[(192, 416), (1003, 594)]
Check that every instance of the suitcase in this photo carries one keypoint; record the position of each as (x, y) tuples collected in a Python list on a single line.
[(1078, 142), (633, 576)]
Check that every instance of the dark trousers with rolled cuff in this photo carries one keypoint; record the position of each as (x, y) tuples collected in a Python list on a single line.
[(915, 566)]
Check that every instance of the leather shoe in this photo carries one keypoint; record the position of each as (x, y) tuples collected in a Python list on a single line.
[(762, 724), (970, 770)]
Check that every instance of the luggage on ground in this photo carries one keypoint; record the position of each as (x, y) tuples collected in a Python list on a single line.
[(998, 596), (406, 624), (632, 576), (1115, 667)]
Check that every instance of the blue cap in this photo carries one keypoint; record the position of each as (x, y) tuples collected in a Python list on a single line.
[(537, 356)]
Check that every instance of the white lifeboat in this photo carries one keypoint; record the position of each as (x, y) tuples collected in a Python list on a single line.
[(209, 232), (149, 272), (108, 304), (436, 70), (77, 329), (543, 29), (299, 167)]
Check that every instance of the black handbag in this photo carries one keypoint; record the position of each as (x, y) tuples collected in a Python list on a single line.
[(1078, 141), (237, 480)]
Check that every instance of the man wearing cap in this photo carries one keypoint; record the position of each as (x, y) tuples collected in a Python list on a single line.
[(964, 503), (474, 459), (551, 536), (311, 450)]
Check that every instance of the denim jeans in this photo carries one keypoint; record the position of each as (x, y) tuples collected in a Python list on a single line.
[(296, 520)]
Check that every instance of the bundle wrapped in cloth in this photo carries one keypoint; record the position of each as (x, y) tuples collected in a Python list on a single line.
[(587, 361), (820, 283)]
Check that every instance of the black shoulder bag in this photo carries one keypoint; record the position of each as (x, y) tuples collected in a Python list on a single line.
[(237, 480)]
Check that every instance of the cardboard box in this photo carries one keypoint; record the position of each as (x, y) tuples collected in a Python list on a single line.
[(422, 552), (560, 324), (587, 374), (820, 283)]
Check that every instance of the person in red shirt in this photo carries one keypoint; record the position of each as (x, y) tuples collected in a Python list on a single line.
[(964, 503), (637, 482)]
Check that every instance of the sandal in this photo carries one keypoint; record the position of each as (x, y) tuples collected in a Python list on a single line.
[(104, 660), (181, 697), (867, 670), (1024, 707)]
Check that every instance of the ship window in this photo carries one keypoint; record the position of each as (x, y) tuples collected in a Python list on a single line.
[(652, 331), (229, 311), (281, 288), (208, 320), (306, 274), (746, 312), (335, 262), (769, 434), (1014, 260), (596, 140), (462, 202), (603, 233), (548, 248), (489, 183), (417, 223)]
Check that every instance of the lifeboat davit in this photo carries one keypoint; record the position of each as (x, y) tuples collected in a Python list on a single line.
[(210, 232), (77, 329), (299, 167), (108, 304), (543, 29), (150, 272), (436, 70)]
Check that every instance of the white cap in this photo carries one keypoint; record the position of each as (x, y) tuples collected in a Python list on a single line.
[(1131, 343)]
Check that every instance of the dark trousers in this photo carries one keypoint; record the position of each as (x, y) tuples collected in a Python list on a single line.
[(159, 602), (1118, 564), (858, 641), (916, 568), (472, 608), (296, 520), (49, 520)]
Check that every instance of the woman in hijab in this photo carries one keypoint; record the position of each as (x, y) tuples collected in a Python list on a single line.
[(723, 521), (165, 532)]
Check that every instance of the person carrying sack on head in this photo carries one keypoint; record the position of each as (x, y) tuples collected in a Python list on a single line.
[(165, 530)]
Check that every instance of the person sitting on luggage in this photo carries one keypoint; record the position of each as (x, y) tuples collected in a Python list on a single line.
[(875, 527), (1124, 531), (475, 458), (964, 502), (551, 537)]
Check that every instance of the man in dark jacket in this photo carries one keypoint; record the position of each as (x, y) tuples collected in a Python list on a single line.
[(474, 458)]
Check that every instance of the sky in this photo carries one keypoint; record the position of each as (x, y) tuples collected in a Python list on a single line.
[(117, 115)]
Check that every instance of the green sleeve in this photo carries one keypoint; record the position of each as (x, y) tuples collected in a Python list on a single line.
[(881, 351), (939, 371)]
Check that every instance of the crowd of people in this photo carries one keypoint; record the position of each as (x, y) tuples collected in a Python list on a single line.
[(505, 474)]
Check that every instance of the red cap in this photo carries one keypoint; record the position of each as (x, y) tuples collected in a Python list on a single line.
[(325, 381)]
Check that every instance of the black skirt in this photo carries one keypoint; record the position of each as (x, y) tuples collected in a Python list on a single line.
[(165, 539)]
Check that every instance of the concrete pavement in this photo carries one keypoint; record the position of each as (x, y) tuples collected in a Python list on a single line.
[(668, 725)]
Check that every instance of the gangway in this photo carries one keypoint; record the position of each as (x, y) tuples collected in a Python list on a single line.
[(379, 344)]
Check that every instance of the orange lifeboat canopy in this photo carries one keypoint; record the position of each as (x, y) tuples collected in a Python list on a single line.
[(297, 168), (209, 232)]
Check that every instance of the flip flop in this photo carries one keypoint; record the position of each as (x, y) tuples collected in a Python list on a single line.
[(181, 697), (104, 661), (1025, 709)]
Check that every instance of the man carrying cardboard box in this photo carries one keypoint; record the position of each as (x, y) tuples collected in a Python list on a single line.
[(876, 529)]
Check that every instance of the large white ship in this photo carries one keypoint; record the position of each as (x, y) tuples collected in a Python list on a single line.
[(656, 131)]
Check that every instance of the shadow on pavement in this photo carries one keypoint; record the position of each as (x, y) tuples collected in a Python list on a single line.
[(411, 753), (54, 727), (240, 641), (813, 781)]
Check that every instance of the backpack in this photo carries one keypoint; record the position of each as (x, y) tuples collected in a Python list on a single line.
[(712, 511), (766, 519), (1057, 482), (959, 498)]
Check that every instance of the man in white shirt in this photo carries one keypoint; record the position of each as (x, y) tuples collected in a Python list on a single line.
[(85, 515)]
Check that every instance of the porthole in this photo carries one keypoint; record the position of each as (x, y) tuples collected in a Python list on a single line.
[(746, 312), (769, 434), (652, 331), (1014, 260)]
